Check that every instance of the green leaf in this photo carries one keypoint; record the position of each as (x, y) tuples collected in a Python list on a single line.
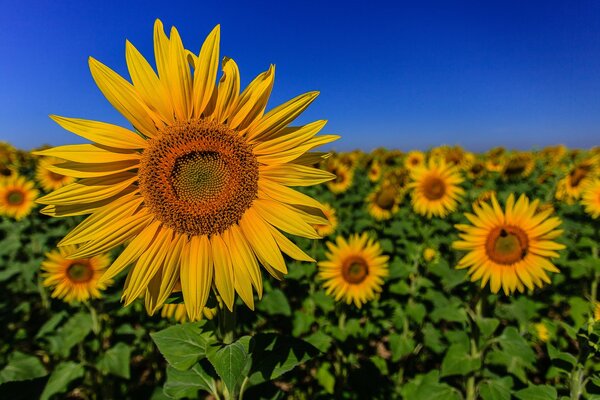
[(185, 384), (71, 333), (184, 344), (51, 324), (275, 302), (539, 392), (323, 301), (115, 361), (487, 326), (273, 355), (232, 363), (458, 361), (416, 311), (496, 389), (561, 360), (64, 373), (516, 355), (21, 367), (428, 387), (320, 340), (326, 378), (400, 345)]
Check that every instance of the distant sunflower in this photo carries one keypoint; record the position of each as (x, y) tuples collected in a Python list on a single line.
[(384, 202), (343, 177), (414, 159), (435, 189), (476, 169), (429, 254), (580, 176), (17, 196), (512, 248), (354, 269), (542, 331), (48, 179), (74, 279), (519, 165), (374, 171), (597, 312), (330, 214), (199, 191), (591, 198)]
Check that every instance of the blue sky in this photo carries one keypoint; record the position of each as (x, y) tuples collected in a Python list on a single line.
[(400, 74)]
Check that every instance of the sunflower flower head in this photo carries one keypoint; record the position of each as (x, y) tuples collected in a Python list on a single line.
[(384, 202), (17, 197), (47, 177), (199, 190), (591, 198), (511, 248), (331, 226), (542, 332), (436, 189), (354, 269), (74, 279)]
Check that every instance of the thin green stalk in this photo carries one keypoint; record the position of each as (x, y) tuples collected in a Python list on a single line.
[(576, 382)]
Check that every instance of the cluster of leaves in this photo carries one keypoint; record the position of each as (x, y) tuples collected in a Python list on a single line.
[(430, 334)]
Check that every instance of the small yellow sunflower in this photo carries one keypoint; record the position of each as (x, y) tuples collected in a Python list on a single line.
[(354, 269), (512, 248), (330, 214), (17, 196), (343, 177), (435, 189), (200, 189), (591, 198), (579, 177), (74, 279), (414, 159), (47, 178), (542, 331), (429, 254), (384, 202), (374, 171)]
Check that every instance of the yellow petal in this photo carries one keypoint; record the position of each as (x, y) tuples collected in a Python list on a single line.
[(87, 153), (180, 79), (284, 218), (90, 190), (257, 233), (84, 170), (288, 247), (228, 90), (196, 275), (205, 72), (286, 195), (289, 138), (253, 100), (295, 175), (224, 278), (243, 258)]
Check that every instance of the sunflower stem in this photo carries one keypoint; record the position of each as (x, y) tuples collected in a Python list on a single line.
[(227, 325), (470, 387)]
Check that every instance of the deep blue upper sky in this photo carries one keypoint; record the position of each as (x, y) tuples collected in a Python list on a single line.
[(398, 74)]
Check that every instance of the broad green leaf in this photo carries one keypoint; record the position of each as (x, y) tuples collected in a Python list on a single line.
[(232, 363), (487, 326), (496, 389), (115, 361), (428, 387), (458, 361), (64, 373), (186, 384), (183, 345), (326, 378), (21, 367), (275, 302), (400, 345), (51, 324), (538, 392), (71, 333), (320, 340)]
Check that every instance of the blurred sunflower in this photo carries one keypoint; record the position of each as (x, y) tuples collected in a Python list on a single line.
[(597, 312), (591, 198), (17, 196), (510, 249), (343, 177), (354, 269), (495, 164), (435, 189), (374, 171), (200, 190), (74, 279), (414, 159), (580, 176), (384, 202), (330, 215), (429, 254), (476, 169), (542, 331), (47, 178), (519, 165)]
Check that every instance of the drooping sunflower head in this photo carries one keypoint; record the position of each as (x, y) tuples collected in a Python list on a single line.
[(591, 198), (374, 171), (397, 176), (47, 178), (354, 269), (435, 189), (414, 159), (384, 202), (577, 178), (392, 158), (200, 190), (518, 165), (343, 177), (509, 248), (17, 196), (330, 214), (476, 169), (74, 279)]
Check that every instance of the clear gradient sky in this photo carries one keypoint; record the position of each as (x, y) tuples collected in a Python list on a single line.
[(405, 75)]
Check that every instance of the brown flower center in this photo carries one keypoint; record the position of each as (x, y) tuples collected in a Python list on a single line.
[(80, 271), (198, 177), (386, 198), (578, 174), (507, 245), (434, 188), (355, 270), (15, 197)]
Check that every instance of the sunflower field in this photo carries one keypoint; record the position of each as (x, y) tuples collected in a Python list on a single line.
[(210, 252)]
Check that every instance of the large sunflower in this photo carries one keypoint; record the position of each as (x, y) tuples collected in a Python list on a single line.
[(354, 269), (74, 279), (17, 196), (591, 198), (435, 188), (199, 190), (512, 248), (47, 178)]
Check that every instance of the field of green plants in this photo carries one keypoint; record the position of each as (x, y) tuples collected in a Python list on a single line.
[(429, 333)]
